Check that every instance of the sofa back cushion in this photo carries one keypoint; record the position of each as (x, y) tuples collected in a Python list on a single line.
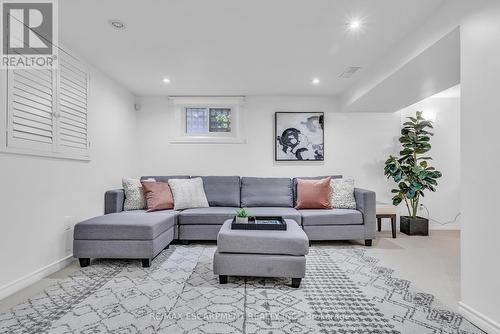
[(266, 191), (294, 183), (164, 178), (222, 190)]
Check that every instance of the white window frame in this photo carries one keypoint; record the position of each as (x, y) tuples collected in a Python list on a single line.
[(179, 104), (5, 121)]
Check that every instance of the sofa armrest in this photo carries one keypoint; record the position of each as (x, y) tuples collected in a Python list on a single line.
[(113, 201), (366, 203)]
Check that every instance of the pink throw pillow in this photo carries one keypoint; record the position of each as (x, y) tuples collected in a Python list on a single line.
[(313, 194), (158, 195)]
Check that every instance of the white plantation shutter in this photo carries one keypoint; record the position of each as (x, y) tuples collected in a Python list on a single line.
[(31, 110), (47, 110), (73, 96)]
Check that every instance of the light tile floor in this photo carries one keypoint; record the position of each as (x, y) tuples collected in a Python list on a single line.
[(431, 263)]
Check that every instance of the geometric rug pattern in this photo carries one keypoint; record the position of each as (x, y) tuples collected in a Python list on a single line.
[(345, 291)]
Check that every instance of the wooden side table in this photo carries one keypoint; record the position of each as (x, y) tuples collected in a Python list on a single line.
[(387, 211)]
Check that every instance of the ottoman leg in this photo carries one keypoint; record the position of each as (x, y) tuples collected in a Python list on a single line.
[(368, 243), (296, 282), (146, 263), (84, 262), (223, 279)]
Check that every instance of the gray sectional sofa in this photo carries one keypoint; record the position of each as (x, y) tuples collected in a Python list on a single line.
[(143, 235)]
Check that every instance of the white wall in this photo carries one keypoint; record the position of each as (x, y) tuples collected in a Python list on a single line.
[(480, 165), (38, 193), (444, 204), (355, 144)]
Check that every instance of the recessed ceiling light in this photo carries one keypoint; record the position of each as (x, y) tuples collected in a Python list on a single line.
[(355, 24), (315, 81), (166, 80), (117, 24)]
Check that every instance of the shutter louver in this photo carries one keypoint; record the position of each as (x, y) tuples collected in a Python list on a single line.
[(73, 95), (47, 110), (31, 109)]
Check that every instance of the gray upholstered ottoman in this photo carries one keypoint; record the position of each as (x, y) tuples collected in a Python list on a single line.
[(261, 253), (133, 234)]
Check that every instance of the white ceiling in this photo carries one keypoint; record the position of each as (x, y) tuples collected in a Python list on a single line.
[(236, 47), (432, 71)]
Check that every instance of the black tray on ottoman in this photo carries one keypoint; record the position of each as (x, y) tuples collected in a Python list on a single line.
[(273, 223)]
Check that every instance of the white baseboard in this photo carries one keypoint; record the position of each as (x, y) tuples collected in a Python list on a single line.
[(433, 226), (35, 276), (486, 324)]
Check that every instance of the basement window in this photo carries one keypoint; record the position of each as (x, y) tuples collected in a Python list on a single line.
[(207, 119)]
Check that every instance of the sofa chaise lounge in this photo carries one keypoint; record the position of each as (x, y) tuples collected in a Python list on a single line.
[(143, 235)]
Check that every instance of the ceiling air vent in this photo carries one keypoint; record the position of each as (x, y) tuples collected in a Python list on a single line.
[(349, 72)]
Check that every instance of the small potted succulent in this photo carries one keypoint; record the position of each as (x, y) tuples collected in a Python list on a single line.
[(242, 216)]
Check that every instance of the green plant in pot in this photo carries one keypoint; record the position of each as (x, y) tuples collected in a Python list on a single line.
[(413, 173), (242, 215)]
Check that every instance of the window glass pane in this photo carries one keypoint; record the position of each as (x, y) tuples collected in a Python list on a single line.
[(196, 120), (220, 120)]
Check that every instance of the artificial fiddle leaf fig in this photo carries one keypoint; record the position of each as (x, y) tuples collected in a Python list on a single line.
[(411, 171)]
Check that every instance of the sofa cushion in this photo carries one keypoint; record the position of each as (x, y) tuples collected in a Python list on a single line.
[(294, 183), (188, 194), (342, 194), (215, 215), (164, 178), (158, 196), (222, 190), (266, 191), (126, 225), (317, 217), (293, 241), (134, 196), (286, 213), (313, 194)]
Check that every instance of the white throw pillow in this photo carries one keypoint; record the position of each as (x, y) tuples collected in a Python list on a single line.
[(342, 194), (134, 197), (188, 193)]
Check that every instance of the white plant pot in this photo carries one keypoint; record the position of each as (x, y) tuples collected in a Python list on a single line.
[(241, 220)]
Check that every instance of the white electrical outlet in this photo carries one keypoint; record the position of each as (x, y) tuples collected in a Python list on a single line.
[(68, 223), (68, 233)]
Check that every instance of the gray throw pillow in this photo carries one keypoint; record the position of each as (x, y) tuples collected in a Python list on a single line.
[(188, 193), (342, 194), (134, 196)]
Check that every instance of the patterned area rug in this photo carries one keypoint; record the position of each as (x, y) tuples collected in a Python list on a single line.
[(345, 291)]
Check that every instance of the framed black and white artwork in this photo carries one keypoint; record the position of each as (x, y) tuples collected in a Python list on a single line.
[(299, 136)]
